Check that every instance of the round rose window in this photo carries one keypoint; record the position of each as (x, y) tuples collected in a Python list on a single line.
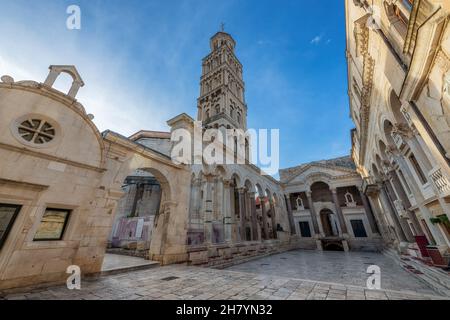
[(36, 131)]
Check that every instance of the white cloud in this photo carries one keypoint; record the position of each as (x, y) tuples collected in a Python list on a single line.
[(317, 39), (122, 98)]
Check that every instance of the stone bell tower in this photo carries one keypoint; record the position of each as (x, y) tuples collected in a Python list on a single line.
[(221, 102)]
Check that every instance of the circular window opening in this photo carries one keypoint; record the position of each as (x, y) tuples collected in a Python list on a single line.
[(36, 131)]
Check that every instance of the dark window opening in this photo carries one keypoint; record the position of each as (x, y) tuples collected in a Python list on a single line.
[(358, 229), (8, 214), (305, 230)]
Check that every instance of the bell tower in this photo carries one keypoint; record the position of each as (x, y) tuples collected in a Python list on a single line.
[(221, 102)]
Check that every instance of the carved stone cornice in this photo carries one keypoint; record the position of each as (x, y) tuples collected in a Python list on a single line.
[(442, 60), (369, 66), (361, 34), (361, 3)]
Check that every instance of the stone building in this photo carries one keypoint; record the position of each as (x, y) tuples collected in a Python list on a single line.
[(329, 208), (63, 200), (399, 80)]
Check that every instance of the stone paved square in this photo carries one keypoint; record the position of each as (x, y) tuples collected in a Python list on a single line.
[(277, 281), (347, 268)]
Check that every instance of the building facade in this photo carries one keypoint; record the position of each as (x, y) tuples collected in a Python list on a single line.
[(65, 200), (399, 80), (329, 207)]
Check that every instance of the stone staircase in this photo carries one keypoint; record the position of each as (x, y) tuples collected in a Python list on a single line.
[(435, 278), (221, 257)]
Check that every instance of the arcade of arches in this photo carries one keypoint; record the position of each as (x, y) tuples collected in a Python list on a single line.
[(126, 193)]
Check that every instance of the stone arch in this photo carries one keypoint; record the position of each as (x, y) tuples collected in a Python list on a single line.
[(236, 179), (166, 187), (321, 192), (375, 171), (317, 177), (259, 189), (395, 106), (387, 129), (249, 185), (378, 161), (171, 217), (55, 72), (221, 170), (329, 223)]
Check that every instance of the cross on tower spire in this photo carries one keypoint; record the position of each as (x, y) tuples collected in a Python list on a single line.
[(222, 27)]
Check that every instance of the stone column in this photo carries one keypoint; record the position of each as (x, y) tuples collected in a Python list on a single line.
[(390, 210), (312, 211), (264, 218), (369, 213), (419, 199), (405, 200), (386, 232), (289, 212), (403, 223), (253, 216), (242, 214), (208, 212), (227, 219), (339, 213), (274, 220)]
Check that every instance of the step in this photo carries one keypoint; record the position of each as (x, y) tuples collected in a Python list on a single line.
[(438, 280)]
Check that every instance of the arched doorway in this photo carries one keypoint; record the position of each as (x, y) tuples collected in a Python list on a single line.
[(137, 212), (330, 228), (143, 222)]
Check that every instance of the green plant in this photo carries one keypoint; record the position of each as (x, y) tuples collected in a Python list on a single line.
[(443, 219)]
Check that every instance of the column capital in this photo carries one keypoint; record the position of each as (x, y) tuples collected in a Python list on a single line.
[(227, 183)]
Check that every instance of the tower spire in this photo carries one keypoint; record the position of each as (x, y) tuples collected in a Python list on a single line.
[(222, 27)]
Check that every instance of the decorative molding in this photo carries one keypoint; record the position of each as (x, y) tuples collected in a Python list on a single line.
[(361, 32), (50, 157), (442, 61), (298, 171)]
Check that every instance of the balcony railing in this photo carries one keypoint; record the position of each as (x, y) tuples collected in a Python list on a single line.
[(441, 181)]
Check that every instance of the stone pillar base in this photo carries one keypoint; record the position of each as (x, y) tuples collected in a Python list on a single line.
[(345, 246), (319, 245)]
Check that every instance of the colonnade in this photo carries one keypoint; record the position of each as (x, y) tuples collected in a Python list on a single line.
[(228, 213)]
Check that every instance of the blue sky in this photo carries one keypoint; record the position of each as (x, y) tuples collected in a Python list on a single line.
[(141, 62)]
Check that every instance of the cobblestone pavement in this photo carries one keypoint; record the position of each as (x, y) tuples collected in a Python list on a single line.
[(345, 268), (195, 283)]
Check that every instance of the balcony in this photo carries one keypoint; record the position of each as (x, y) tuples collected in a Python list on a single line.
[(441, 181), (370, 185)]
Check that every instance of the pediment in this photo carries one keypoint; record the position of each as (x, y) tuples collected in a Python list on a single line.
[(317, 171)]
